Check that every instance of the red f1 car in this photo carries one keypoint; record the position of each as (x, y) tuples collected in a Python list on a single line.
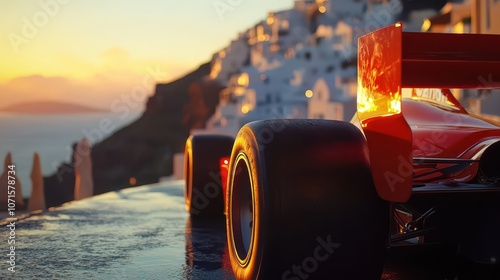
[(321, 199)]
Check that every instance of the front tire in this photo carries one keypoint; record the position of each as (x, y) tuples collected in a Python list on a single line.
[(302, 204)]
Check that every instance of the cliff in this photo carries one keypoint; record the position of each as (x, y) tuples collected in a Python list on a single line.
[(141, 152)]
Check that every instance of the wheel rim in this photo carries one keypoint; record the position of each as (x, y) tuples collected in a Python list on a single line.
[(242, 209)]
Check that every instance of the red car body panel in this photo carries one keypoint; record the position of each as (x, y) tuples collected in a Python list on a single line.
[(442, 134), (379, 112), (432, 125)]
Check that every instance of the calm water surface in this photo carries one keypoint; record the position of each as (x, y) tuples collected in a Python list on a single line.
[(52, 137)]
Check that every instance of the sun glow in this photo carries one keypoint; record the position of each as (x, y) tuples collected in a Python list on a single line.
[(395, 106), (366, 104), (94, 51), (377, 104)]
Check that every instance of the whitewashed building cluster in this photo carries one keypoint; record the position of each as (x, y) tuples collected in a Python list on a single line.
[(297, 63)]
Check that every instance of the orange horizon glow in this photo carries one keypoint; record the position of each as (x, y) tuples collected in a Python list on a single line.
[(93, 52)]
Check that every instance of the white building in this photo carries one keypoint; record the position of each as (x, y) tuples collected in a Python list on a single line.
[(298, 63)]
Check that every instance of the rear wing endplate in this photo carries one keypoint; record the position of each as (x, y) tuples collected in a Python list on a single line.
[(389, 60)]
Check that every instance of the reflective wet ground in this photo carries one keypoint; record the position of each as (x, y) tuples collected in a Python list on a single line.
[(145, 233)]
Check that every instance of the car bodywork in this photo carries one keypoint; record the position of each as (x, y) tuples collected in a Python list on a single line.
[(437, 164), (417, 132)]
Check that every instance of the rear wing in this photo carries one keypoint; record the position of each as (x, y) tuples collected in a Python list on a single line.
[(389, 60)]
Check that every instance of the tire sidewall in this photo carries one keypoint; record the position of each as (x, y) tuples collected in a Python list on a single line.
[(188, 173), (246, 148)]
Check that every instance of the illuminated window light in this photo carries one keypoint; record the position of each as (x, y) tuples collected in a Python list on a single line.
[(285, 24), (245, 109), (241, 81), (426, 25), (322, 9), (309, 93)]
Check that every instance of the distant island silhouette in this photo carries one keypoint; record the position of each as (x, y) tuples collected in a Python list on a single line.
[(50, 108)]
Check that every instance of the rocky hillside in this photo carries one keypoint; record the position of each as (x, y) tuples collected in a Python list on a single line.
[(143, 150)]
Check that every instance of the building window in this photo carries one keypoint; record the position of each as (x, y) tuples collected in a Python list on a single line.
[(307, 56), (268, 98)]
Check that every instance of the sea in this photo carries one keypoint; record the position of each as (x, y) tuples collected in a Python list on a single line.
[(52, 137)]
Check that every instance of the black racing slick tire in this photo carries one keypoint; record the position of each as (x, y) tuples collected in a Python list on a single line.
[(302, 203), (203, 189)]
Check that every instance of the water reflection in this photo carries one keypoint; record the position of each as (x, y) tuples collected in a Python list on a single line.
[(206, 250), (206, 257)]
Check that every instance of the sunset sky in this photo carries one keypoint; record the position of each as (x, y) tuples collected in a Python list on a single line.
[(96, 51)]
